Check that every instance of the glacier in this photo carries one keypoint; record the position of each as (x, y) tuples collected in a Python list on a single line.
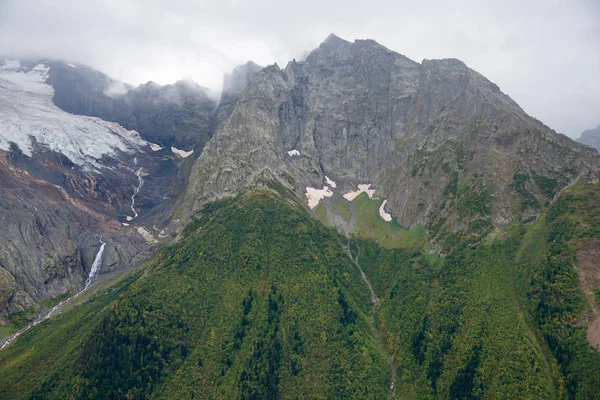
[(29, 118)]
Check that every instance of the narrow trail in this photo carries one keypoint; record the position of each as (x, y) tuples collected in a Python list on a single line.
[(372, 322), (136, 190), (44, 316)]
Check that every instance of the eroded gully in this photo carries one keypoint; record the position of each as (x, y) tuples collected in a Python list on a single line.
[(372, 321)]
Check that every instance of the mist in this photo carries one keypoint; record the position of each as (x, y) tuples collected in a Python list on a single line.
[(544, 54)]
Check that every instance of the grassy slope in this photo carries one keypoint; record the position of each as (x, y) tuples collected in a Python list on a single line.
[(363, 214), (260, 301), (498, 320), (52, 346)]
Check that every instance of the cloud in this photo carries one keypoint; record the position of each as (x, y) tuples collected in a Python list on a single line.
[(116, 89), (544, 54)]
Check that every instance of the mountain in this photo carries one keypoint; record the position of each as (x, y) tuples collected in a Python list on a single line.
[(359, 113), (172, 115), (357, 225), (67, 181), (591, 137)]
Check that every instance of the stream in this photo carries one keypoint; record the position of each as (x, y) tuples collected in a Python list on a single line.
[(44, 316), (372, 322), (136, 190)]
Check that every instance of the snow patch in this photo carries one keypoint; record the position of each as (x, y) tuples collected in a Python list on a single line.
[(315, 195), (384, 215), (182, 153), (125, 224), (71, 65), (155, 147), (330, 182), (293, 153), (365, 187)]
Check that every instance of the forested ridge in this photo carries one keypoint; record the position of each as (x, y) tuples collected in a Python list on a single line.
[(258, 300)]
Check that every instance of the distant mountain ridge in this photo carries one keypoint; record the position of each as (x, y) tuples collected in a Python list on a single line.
[(591, 137)]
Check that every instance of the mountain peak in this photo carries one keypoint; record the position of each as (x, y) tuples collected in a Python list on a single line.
[(334, 41)]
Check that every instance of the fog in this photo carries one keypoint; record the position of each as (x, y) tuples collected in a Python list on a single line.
[(544, 54)]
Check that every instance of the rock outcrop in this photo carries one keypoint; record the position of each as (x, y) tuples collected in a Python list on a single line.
[(426, 135)]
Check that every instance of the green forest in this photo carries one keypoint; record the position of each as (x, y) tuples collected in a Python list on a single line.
[(259, 300)]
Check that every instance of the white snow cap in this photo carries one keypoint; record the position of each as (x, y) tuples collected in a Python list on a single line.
[(365, 187)]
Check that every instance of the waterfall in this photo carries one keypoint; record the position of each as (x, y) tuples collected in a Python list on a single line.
[(42, 317), (136, 190)]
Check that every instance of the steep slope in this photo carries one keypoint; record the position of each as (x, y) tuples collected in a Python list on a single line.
[(258, 300), (359, 113), (234, 83), (176, 115), (67, 180), (491, 293), (591, 137)]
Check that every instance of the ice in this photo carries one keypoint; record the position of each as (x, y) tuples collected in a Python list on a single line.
[(293, 153), (384, 215), (28, 116), (365, 187), (32, 81), (10, 64), (182, 153), (315, 195)]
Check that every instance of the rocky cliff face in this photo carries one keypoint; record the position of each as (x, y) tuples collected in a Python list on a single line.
[(65, 181), (176, 115), (69, 178), (591, 137), (49, 240), (436, 139)]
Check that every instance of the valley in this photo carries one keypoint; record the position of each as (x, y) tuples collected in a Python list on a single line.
[(352, 225)]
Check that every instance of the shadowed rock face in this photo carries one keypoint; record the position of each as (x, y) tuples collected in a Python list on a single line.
[(49, 239), (360, 113), (591, 137), (176, 115), (67, 180)]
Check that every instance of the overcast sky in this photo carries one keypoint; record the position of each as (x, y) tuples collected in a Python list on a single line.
[(545, 54)]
